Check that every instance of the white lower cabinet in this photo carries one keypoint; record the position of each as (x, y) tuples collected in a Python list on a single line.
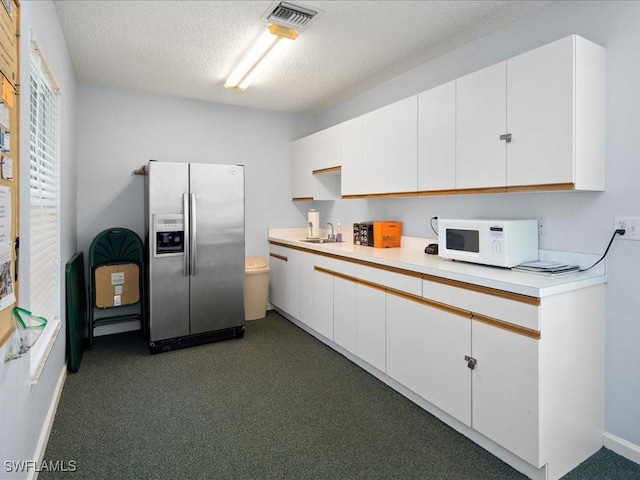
[(278, 278), (446, 379), (477, 354), (323, 309), (371, 325), (305, 265), (404, 341), (344, 314), (293, 283), (505, 389)]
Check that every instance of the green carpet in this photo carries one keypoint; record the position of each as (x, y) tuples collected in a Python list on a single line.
[(275, 404)]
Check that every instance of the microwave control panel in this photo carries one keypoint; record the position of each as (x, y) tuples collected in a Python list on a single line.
[(168, 234), (496, 238)]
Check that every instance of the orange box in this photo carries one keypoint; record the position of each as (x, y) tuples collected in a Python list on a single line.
[(387, 234)]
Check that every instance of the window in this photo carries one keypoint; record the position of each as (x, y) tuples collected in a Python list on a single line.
[(44, 203)]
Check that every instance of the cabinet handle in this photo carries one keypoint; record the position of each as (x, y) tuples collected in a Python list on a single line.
[(471, 362), (506, 137)]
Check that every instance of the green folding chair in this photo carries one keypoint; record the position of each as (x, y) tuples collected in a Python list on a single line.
[(116, 259)]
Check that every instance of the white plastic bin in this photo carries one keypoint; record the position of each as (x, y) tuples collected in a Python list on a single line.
[(256, 287)]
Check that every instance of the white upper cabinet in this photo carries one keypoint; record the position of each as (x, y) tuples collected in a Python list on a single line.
[(402, 145), (535, 120), (317, 150), (480, 120), (555, 115), (374, 152), (301, 169), (532, 122), (390, 148), (333, 156), (437, 138), (351, 148)]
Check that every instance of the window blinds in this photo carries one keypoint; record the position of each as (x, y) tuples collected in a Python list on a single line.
[(44, 160)]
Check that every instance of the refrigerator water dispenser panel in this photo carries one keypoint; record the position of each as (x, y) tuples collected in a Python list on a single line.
[(169, 234)]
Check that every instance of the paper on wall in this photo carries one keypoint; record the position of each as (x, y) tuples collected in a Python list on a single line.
[(4, 117), (7, 168)]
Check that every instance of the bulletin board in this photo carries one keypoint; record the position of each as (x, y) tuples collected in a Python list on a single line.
[(9, 161)]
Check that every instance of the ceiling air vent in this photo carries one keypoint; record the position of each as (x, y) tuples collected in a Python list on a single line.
[(290, 15)]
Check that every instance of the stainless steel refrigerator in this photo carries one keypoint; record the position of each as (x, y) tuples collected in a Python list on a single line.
[(195, 247)]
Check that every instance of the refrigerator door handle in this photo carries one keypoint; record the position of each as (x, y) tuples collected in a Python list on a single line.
[(187, 240), (194, 223)]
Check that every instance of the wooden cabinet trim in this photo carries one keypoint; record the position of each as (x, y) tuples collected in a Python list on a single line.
[(280, 257), (327, 170), (494, 322), (541, 188), (401, 271), (302, 199), (549, 187), (516, 297), (349, 278), (461, 312)]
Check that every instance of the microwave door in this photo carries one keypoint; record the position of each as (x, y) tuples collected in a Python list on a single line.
[(463, 240)]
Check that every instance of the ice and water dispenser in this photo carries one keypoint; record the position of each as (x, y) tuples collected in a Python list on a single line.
[(168, 232)]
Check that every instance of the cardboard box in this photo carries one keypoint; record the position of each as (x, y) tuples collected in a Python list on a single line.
[(387, 234), (117, 285)]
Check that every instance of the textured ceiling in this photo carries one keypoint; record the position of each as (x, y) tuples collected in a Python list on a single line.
[(187, 48)]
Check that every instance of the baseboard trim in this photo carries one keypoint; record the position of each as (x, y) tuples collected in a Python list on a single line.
[(622, 447), (48, 423)]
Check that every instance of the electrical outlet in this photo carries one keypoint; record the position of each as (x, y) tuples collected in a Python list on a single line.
[(543, 226), (630, 225)]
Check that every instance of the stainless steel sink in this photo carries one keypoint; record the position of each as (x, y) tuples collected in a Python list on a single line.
[(318, 240)]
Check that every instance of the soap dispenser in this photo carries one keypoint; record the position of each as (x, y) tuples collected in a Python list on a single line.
[(338, 231)]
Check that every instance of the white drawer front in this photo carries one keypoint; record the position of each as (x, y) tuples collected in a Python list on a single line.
[(504, 309), (338, 266), (278, 250), (398, 281)]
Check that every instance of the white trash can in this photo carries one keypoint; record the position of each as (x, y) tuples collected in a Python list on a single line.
[(256, 287)]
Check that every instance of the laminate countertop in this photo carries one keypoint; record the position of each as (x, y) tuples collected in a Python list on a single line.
[(411, 257)]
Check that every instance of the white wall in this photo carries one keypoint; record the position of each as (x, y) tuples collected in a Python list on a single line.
[(120, 130), (581, 222), (24, 407)]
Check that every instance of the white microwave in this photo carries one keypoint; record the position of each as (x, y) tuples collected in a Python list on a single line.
[(501, 243)]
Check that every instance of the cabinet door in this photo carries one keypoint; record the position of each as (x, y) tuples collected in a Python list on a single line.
[(446, 379), (540, 115), (437, 138), (480, 120), (301, 169), (292, 304), (306, 264), (352, 157), (323, 308), (374, 152), (334, 147), (404, 341), (402, 145), (344, 314), (371, 326), (278, 280), (317, 150), (505, 389)]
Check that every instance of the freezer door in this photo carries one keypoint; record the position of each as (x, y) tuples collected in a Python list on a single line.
[(217, 270), (168, 187)]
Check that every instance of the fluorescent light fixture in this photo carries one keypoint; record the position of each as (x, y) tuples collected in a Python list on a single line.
[(257, 58)]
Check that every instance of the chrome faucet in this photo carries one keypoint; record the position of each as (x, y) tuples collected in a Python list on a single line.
[(331, 236)]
